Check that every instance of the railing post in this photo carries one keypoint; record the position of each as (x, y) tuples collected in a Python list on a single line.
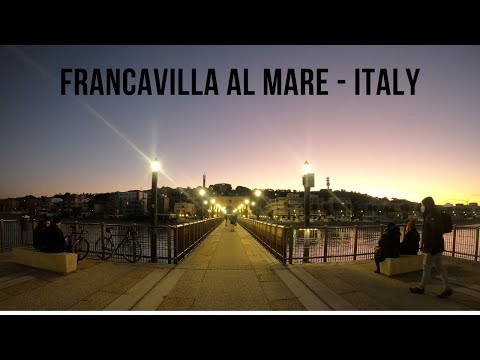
[(454, 239), (175, 246), (277, 243), (1, 235), (102, 236), (477, 236), (74, 237), (169, 244), (153, 245), (306, 245), (284, 244), (355, 242), (290, 245), (325, 245)]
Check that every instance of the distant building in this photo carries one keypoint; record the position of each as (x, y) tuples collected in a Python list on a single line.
[(292, 207), (130, 203), (9, 205), (184, 209), (163, 204)]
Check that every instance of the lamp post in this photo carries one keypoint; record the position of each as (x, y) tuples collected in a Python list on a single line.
[(153, 240), (202, 194), (213, 207), (308, 182), (155, 168), (253, 204), (257, 194), (246, 207)]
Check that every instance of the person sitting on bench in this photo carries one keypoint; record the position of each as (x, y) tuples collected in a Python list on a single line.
[(411, 240), (55, 239), (40, 234), (388, 245)]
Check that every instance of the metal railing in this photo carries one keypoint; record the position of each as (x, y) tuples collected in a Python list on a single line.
[(11, 235), (163, 244), (346, 243), (171, 243), (272, 236)]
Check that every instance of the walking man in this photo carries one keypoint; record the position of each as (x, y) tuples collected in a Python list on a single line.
[(432, 246)]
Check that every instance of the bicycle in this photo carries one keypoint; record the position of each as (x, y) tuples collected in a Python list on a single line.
[(105, 248), (78, 243)]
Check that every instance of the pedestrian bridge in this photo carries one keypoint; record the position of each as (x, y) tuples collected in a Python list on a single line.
[(230, 271)]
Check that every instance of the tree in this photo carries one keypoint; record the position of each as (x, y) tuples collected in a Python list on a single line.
[(242, 191)]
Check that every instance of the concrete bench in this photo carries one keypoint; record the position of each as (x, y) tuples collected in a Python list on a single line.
[(401, 265), (63, 263)]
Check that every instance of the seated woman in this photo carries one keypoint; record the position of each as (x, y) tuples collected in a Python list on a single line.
[(388, 245), (55, 240), (411, 240), (40, 234)]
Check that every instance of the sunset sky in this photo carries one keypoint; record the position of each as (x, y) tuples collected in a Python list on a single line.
[(409, 146)]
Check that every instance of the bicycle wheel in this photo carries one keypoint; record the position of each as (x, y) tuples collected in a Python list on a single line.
[(82, 248), (132, 251), (104, 248)]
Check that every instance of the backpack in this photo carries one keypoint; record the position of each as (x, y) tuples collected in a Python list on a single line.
[(446, 222)]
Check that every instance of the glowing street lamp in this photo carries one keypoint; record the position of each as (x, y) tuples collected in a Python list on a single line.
[(213, 207), (202, 194), (308, 182), (155, 165), (205, 202), (257, 194)]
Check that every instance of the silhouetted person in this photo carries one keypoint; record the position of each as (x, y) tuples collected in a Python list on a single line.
[(40, 234), (233, 222), (226, 219), (388, 246), (411, 240), (55, 239), (433, 246)]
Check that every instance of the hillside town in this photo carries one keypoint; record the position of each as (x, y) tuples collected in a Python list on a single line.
[(174, 204)]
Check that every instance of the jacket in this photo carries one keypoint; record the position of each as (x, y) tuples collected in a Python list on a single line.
[(432, 234), (389, 243), (410, 243)]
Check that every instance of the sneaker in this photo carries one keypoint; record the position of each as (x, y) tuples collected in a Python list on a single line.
[(445, 294), (417, 290), (377, 271)]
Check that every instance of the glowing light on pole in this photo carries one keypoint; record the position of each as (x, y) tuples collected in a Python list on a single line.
[(308, 182), (257, 194), (202, 194), (155, 165), (213, 209)]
